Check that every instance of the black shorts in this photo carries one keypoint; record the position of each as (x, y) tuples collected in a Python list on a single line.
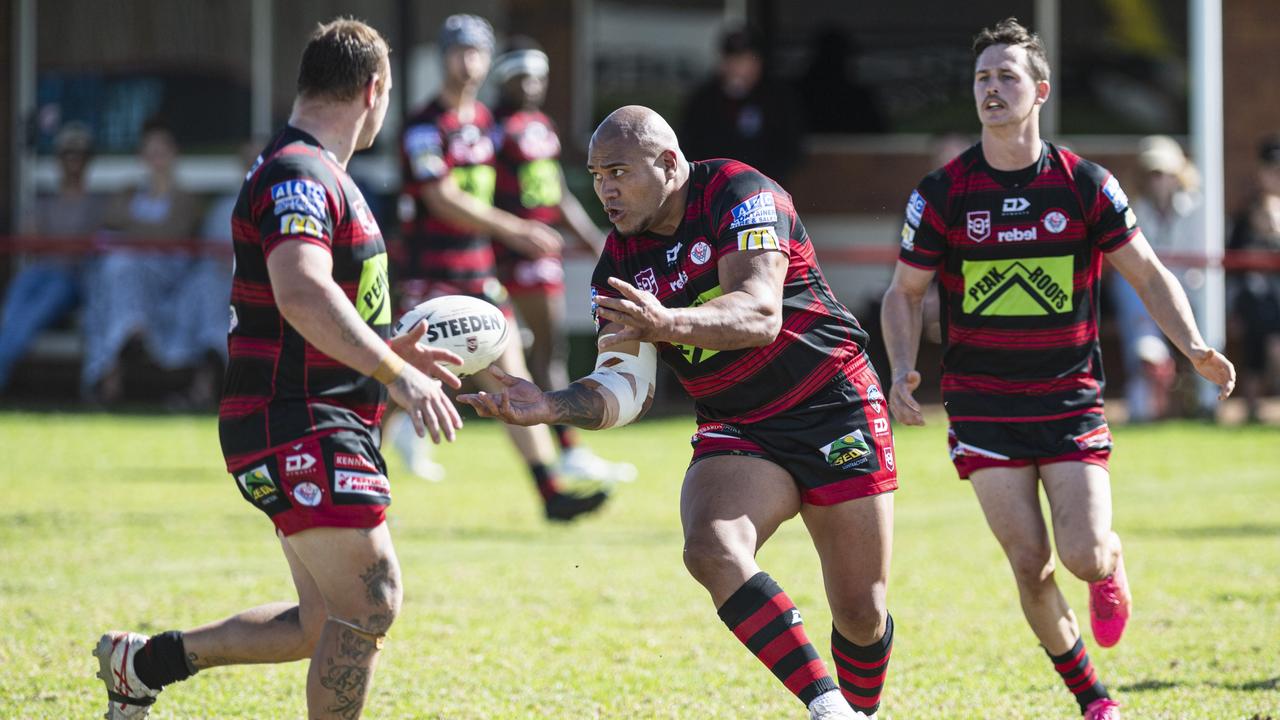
[(1078, 438), (330, 480), (837, 445)]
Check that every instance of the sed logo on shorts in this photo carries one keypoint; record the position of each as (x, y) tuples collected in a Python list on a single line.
[(847, 451)]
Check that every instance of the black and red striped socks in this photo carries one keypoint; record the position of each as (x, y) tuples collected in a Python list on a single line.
[(546, 480), (1078, 673), (762, 616), (862, 668)]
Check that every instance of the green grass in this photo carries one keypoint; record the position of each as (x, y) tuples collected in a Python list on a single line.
[(129, 522)]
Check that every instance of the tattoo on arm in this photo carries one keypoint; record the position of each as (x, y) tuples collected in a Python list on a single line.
[(579, 405), (342, 322)]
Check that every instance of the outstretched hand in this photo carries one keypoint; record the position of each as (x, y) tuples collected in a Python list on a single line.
[(901, 401), (641, 314), (520, 402), (426, 359), (1217, 369)]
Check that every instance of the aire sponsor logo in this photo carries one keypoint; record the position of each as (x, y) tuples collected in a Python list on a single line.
[(1016, 234)]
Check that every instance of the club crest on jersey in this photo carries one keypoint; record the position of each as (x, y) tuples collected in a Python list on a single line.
[(875, 397), (646, 280), (978, 225), (700, 253), (755, 210), (308, 494), (915, 208), (1055, 221)]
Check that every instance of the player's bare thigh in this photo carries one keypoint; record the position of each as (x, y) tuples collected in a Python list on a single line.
[(1010, 500), (729, 506), (355, 570), (1080, 504)]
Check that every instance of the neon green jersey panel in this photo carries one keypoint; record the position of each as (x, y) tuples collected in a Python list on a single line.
[(1019, 286), (692, 353), (371, 297)]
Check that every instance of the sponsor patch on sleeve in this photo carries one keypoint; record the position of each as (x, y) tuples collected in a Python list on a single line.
[(422, 144), (307, 197), (1111, 188), (299, 224), (755, 210), (908, 237), (760, 238), (915, 209)]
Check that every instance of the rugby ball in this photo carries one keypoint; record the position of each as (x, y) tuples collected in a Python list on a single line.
[(473, 329)]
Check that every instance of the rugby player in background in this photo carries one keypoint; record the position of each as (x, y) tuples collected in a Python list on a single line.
[(447, 154), (709, 267), (531, 185), (303, 397), (1017, 228)]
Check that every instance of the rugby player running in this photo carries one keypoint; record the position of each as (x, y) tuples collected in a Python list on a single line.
[(709, 267), (1016, 228), (303, 396)]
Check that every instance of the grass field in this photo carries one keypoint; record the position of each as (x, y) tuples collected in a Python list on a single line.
[(128, 521)]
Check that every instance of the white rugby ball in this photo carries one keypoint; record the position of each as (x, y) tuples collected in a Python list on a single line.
[(473, 329)]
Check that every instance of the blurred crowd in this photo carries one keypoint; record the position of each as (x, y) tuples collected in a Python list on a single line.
[(149, 297)]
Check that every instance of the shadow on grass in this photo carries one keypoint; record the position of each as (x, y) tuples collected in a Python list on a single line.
[(1244, 530), (1149, 686), (1254, 686), (551, 535)]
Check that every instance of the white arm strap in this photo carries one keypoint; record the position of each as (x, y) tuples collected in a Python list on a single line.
[(628, 380)]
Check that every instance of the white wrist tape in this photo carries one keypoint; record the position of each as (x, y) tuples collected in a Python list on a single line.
[(630, 379)]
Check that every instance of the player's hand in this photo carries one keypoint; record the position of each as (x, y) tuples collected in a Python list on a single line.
[(425, 358), (641, 314), (533, 240), (901, 402), (520, 402), (424, 399), (1217, 369)]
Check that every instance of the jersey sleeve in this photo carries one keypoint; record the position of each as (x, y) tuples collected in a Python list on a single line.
[(294, 203), (750, 212), (923, 240), (1109, 216), (606, 267), (423, 149)]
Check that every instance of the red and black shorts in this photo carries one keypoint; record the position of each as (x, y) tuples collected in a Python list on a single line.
[(332, 480), (837, 445), (1079, 438), (530, 276), (414, 292)]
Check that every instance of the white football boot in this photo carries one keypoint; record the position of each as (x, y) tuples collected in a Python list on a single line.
[(128, 698), (831, 705), (579, 462), (414, 451)]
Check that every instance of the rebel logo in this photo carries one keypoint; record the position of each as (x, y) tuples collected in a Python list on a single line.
[(978, 225)]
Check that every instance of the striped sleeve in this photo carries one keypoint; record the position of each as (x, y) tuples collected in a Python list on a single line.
[(294, 203), (1110, 218), (750, 211)]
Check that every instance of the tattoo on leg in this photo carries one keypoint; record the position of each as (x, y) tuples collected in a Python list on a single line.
[(352, 645), (378, 582), (348, 683)]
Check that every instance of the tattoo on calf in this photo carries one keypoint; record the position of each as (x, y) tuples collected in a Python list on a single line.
[(579, 405), (348, 683)]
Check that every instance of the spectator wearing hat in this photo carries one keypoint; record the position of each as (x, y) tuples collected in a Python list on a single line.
[(1257, 294), (1169, 205), (741, 114), (48, 285)]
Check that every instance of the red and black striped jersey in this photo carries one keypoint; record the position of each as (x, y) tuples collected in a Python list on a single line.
[(278, 386), (436, 142), (528, 159), (1019, 256), (732, 207)]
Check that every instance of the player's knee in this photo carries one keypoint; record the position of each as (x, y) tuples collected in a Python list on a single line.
[(862, 622), (1031, 566), (1089, 562), (708, 558)]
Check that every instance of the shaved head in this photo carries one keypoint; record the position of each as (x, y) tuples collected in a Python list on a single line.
[(638, 126)]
